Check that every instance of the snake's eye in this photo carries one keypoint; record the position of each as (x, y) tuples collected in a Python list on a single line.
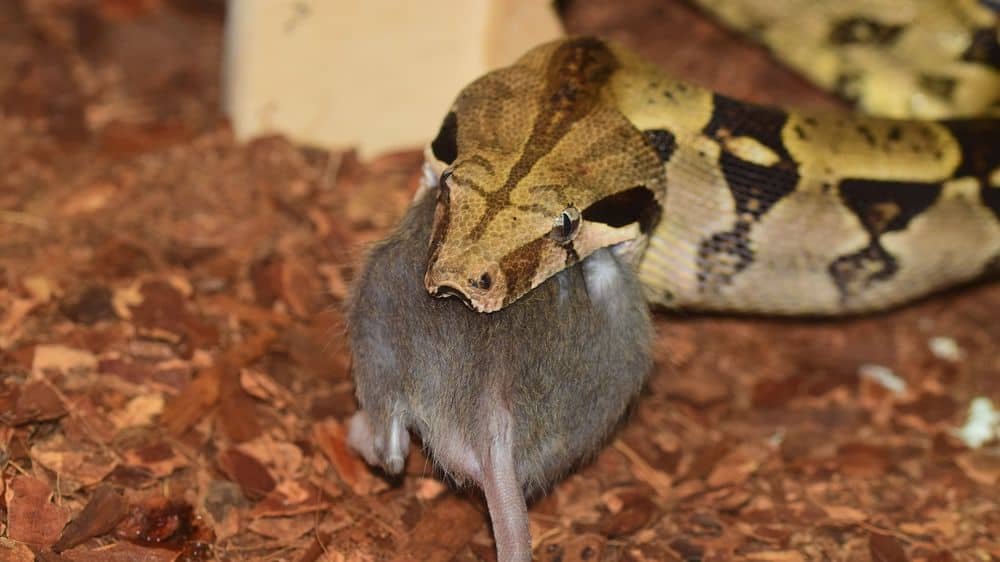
[(567, 224)]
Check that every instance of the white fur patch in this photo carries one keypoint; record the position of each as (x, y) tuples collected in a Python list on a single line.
[(428, 181), (603, 275)]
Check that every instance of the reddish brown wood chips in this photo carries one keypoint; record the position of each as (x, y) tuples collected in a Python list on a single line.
[(174, 380)]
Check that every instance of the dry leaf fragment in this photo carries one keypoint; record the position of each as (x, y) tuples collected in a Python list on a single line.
[(88, 199), (734, 468), (285, 529), (13, 319), (336, 286), (36, 402), (13, 551), (203, 392), (190, 405), (74, 461), (331, 437), (845, 514), (980, 467), (237, 416), (63, 359), (443, 529), (635, 512), (124, 298), (300, 289), (252, 476), (40, 288), (139, 411), (282, 458), (860, 460), (263, 387), (660, 481), (157, 458), (885, 548), (102, 513), (90, 306), (120, 552), (163, 308), (775, 556), (290, 498), (31, 517)]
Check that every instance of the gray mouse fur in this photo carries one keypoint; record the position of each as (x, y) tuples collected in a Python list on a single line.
[(509, 400)]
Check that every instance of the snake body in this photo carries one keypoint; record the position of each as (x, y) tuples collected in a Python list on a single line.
[(722, 204)]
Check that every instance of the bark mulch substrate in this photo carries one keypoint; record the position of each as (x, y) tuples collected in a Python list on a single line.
[(174, 380)]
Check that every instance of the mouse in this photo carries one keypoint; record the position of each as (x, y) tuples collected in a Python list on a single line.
[(509, 401)]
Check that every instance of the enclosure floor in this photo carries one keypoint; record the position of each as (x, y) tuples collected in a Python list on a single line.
[(174, 380)]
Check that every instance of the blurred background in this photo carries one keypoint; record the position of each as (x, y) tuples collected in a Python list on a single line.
[(186, 189)]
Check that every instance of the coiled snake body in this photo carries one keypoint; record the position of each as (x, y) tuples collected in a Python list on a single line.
[(726, 205)]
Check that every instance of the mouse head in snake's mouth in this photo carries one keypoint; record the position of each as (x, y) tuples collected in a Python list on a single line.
[(536, 169)]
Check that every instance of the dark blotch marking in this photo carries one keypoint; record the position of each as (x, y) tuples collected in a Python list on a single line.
[(865, 132), (760, 122), (441, 222), (445, 144), (895, 133), (984, 48), (979, 140), (992, 269), (724, 254), (863, 31), (630, 206), (663, 142), (863, 197), (942, 87), (755, 188), (881, 206), (519, 268), (845, 86)]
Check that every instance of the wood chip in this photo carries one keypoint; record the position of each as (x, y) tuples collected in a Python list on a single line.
[(252, 476), (885, 548), (32, 518), (331, 438), (102, 513)]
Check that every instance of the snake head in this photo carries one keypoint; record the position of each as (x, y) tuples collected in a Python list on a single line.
[(536, 169)]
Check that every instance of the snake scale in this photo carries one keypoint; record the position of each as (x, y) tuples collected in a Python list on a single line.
[(722, 204)]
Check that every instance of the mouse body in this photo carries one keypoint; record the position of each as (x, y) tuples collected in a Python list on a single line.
[(509, 400)]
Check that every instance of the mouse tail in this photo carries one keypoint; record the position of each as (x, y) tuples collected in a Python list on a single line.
[(504, 496)]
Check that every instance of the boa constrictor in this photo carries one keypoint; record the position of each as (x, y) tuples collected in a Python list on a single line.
[(723, 205)]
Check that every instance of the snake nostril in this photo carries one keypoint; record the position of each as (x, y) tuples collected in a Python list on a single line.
[(484, 282)]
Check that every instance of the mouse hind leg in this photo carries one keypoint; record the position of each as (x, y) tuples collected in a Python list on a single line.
[(504, 495), (381, 444)]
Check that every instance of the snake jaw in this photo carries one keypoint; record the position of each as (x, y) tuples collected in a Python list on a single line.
[(483, 288)]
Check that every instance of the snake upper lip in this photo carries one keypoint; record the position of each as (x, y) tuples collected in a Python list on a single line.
[(446, 291)]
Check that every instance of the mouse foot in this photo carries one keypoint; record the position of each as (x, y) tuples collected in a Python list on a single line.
[(384, 446)]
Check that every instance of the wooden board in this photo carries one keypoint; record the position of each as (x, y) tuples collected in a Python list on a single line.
[(376, 75)]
